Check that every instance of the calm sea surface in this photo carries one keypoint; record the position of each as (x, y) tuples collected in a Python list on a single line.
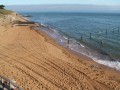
[(103, 45)]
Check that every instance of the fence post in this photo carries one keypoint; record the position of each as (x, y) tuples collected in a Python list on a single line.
[(106, 32), (68, 40), (101, 43), (118, 30), (81, 37), (90, 36), (113, 31)]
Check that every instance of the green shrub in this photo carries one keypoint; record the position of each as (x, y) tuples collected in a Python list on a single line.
[(2, 6)]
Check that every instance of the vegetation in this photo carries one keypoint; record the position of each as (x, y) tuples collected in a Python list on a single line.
[(4, 11), (2, 6)]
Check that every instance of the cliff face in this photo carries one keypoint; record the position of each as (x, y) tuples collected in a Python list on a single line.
[(11, 18)]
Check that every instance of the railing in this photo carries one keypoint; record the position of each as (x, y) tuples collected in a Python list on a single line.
[(8, 84)]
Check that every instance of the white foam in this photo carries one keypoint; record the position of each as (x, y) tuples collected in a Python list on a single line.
[(54, 30), (65, 37), (112, 64), (82, 45), (97, 57), (43, 25)]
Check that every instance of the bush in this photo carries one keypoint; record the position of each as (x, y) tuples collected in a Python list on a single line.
[(2, 6)]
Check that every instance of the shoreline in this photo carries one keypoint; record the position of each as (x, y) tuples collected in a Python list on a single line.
[(106, 54), (79, 54), (75, 54), (35, 61)]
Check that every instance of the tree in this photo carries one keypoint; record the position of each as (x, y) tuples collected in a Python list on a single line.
[(2, 6)]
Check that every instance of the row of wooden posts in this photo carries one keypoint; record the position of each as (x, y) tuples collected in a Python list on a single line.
[(113, 31)]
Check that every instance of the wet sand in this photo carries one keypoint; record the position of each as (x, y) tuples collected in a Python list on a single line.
[(36, 62)]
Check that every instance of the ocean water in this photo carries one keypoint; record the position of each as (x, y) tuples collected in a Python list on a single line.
[(96, 35)]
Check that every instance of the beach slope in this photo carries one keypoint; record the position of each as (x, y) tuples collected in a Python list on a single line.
[(36, 62)]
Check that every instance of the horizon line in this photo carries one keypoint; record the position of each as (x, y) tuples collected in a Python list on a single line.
[(62, 4)]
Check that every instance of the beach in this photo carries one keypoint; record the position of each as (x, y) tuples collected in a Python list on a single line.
[(36, 62)]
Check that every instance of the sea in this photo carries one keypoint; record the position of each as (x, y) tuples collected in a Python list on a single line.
[(95, 35)]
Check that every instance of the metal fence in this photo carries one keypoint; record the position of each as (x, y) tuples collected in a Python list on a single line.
[(7, 84)]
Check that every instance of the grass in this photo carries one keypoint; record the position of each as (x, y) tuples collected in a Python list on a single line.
[(5, 12)]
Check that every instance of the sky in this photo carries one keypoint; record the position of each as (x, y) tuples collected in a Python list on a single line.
[(34, 2), (62, 5), (64, 8)]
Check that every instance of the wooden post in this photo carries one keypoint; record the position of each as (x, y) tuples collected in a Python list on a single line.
[(118, 30), (106, 32), (90, 36), (68, 40), (81, 37), (101, 43), (113, 31)]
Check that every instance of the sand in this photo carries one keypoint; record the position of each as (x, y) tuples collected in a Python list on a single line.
[(36, 62)]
